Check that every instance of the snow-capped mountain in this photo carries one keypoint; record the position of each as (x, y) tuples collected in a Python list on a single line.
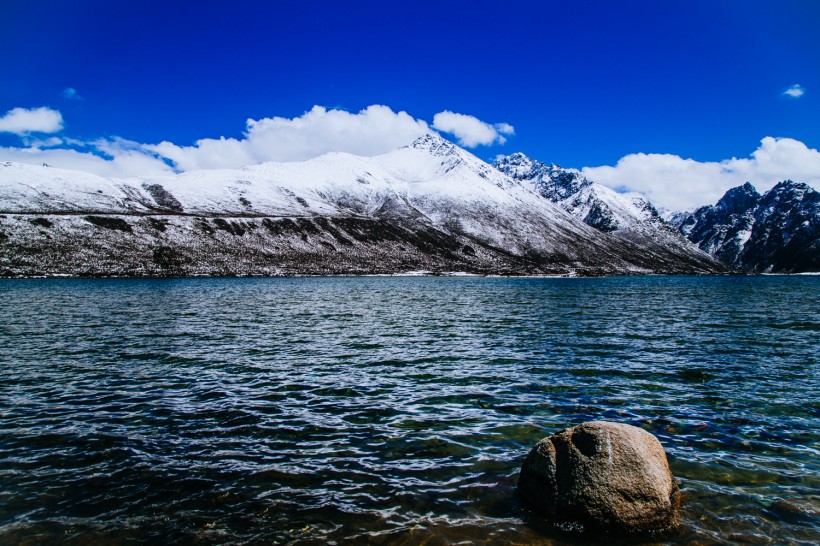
[(778, 231), (628, 216), (430, 205)]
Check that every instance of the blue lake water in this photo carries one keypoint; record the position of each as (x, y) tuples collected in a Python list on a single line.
[(394, 410)]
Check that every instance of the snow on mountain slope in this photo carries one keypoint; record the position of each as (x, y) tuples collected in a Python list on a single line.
[(30, 188), (438, 180), (432, 195), (629, 216), (595, 204), (334, 183)]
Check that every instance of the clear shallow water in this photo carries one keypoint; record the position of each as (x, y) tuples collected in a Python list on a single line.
[(394, 410)]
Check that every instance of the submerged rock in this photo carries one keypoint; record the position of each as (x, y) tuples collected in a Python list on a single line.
[(602, 477)]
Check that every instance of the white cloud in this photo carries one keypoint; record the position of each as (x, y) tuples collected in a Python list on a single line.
[(675, 183), (375, 130), (115, 158), (795, 91), (505, 128), (669, 181), (471, 131), (24, 121), (71, 94)]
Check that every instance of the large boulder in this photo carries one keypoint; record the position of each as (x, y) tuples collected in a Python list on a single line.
[(602, 477)]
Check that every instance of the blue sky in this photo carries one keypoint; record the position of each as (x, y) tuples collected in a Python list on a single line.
[(583, 83)]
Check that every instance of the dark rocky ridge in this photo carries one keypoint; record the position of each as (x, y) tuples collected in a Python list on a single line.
[(182, 245), (777, 232)]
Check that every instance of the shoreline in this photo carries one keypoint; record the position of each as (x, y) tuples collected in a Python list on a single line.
[(409, 274)]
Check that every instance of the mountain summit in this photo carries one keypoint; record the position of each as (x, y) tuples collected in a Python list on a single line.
[(551, 181)]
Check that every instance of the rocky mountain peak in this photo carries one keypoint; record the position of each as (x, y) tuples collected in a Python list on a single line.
[(552, 181), (790, 190), (434, 144), (516, 165), (738, 200)]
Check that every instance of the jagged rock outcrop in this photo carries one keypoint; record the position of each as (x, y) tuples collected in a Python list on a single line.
[(777, 232)]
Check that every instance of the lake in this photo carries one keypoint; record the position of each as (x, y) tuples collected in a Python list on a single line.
[(394, 410)]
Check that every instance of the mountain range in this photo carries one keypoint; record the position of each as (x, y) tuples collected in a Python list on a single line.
[(429, 206), (777, 232), (626, 216)]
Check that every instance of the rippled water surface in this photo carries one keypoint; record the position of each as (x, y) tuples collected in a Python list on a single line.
[(394, 410)]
